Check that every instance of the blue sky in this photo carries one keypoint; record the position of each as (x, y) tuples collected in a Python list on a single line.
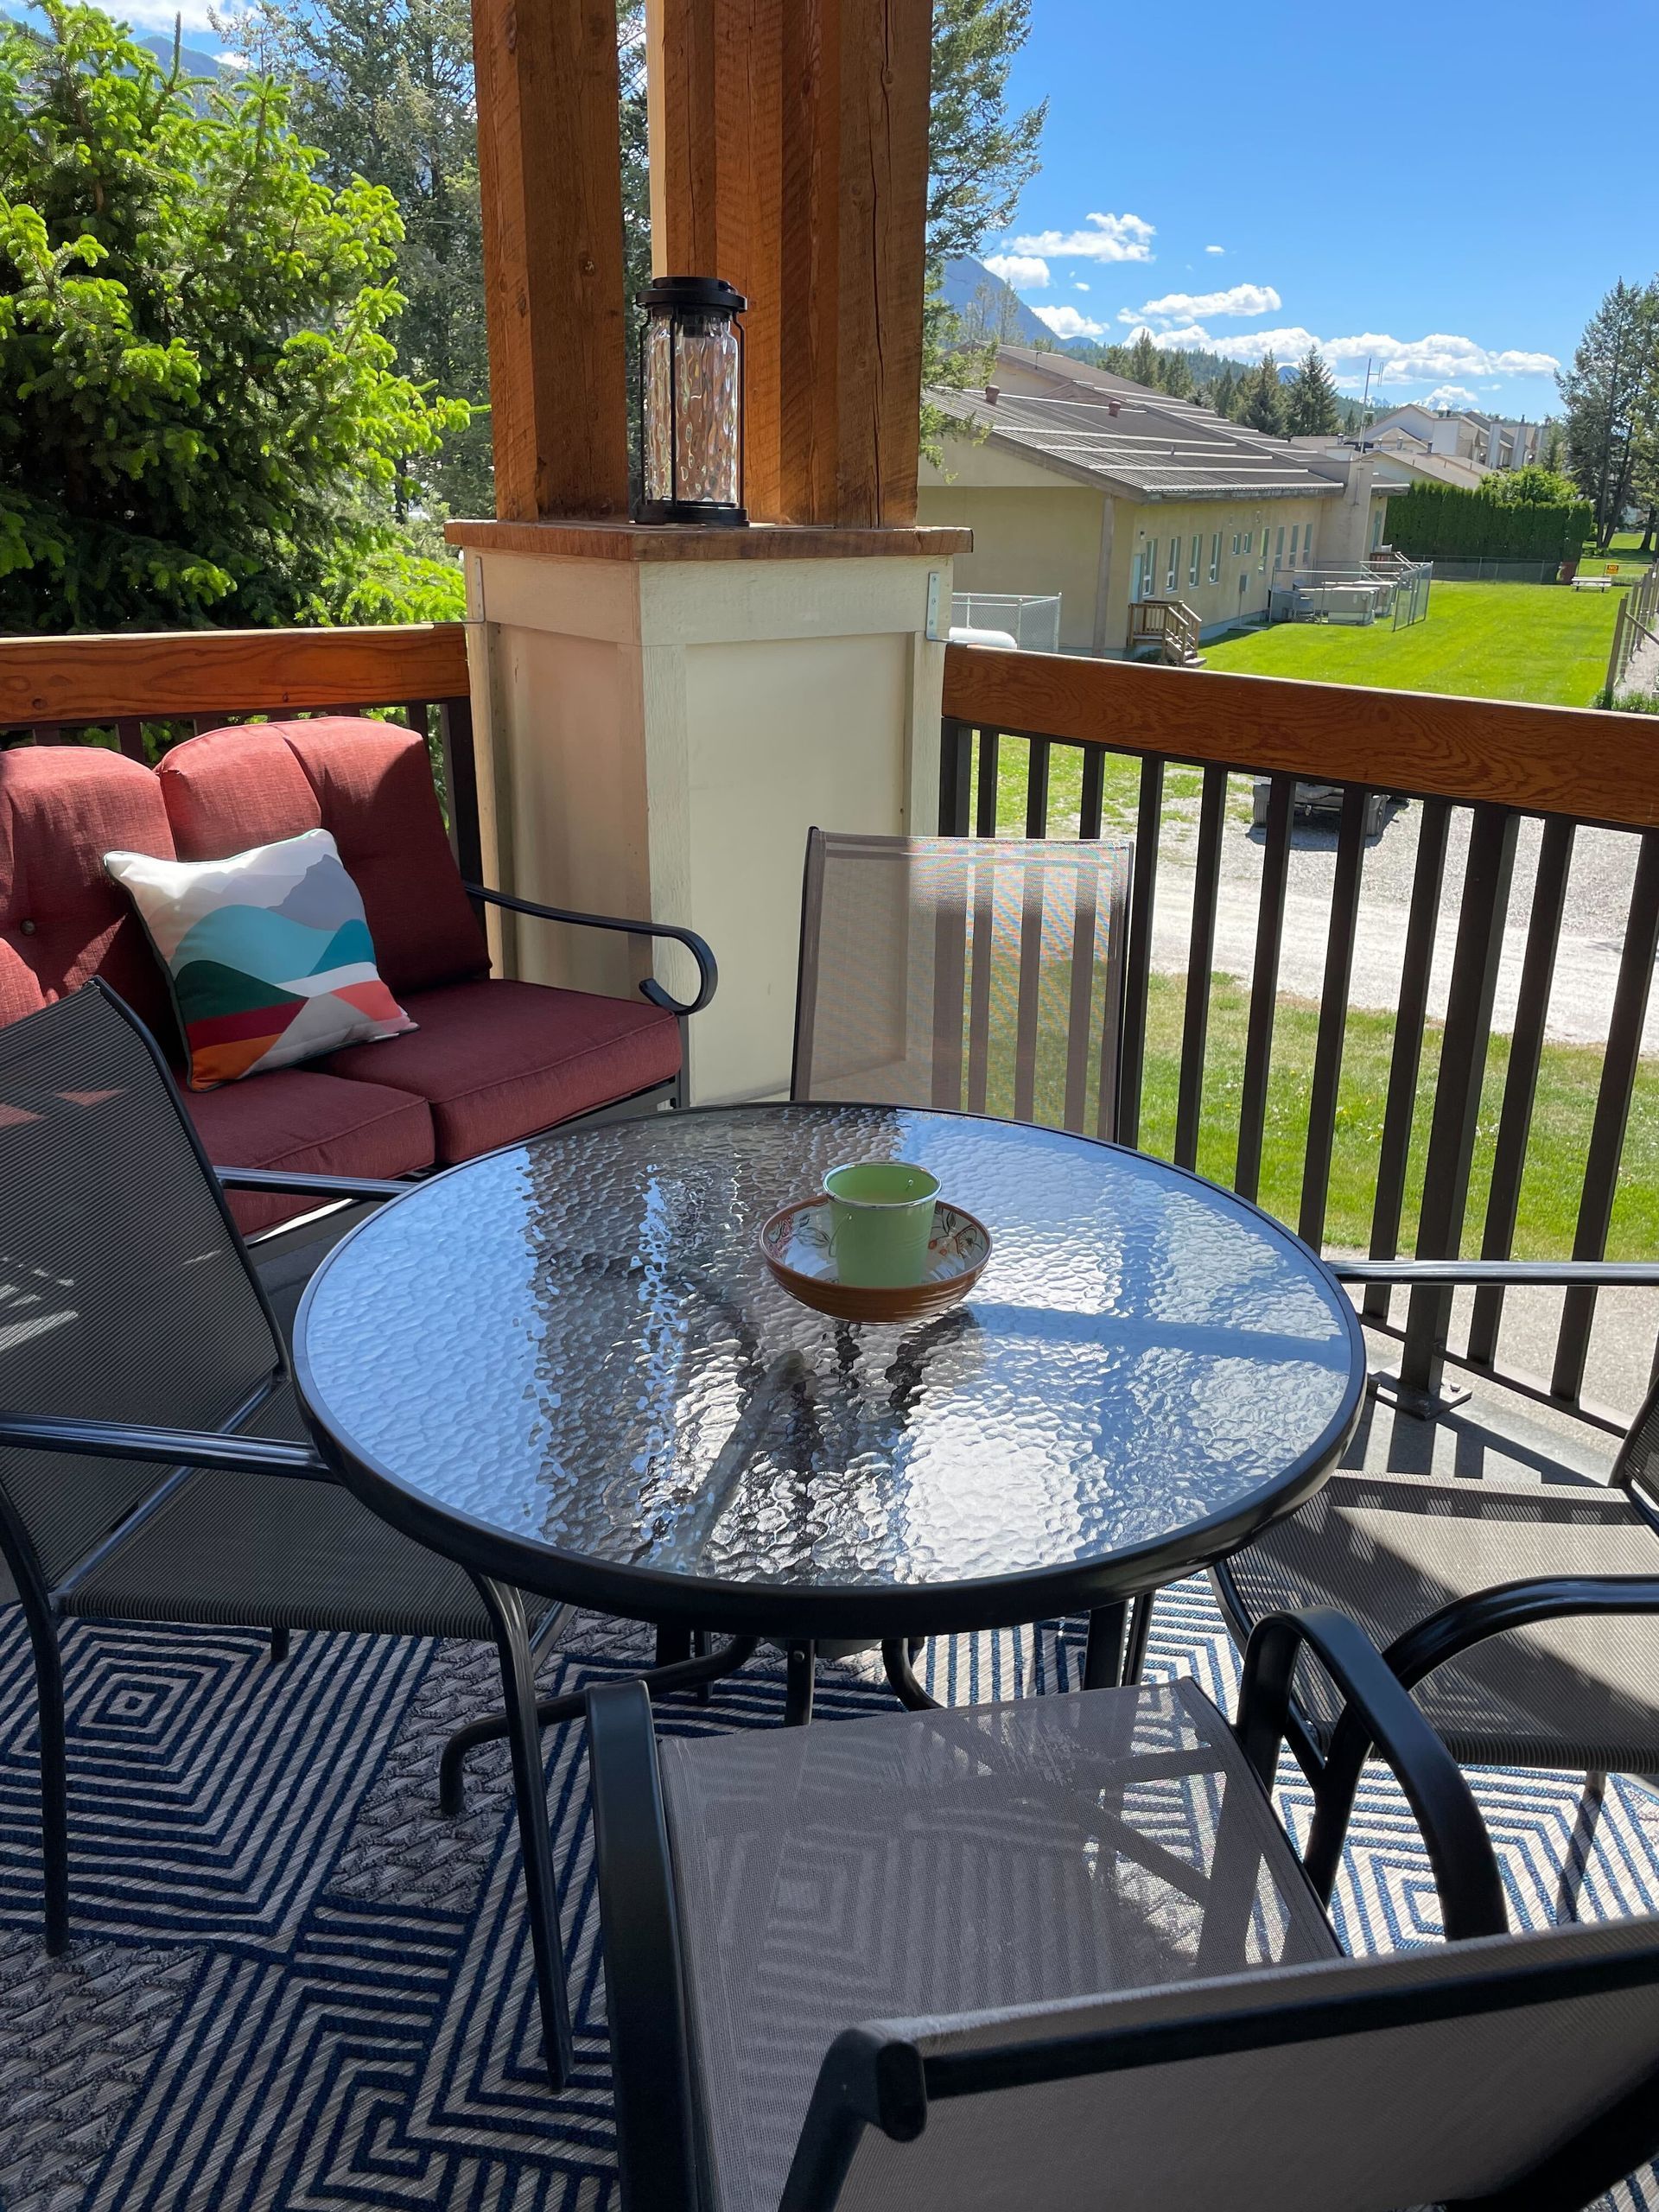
[(1428, 182)]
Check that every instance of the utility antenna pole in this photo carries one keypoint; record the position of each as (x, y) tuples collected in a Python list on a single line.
[(1366, 401)]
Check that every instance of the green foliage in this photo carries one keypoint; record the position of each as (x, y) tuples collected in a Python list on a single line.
[(1262, 399), (200, 419), (384, 90), (1532, 486), (1612, 392), (1312, 411), (1435, 522), (1144, 362), (980, 156)]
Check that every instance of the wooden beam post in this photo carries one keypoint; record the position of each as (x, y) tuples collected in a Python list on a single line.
[(549, 174), (789, 155)]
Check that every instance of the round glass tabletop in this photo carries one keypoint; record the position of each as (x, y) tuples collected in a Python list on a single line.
[(567, 1364)]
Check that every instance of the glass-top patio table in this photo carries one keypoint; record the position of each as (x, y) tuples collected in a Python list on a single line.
[(566, 1366)]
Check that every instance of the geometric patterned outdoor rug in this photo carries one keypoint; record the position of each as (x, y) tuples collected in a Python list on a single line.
[(294, 1987)]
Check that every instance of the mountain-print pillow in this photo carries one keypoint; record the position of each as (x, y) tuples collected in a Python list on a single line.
[(267, 953)]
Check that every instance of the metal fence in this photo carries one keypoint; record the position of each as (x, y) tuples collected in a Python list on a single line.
[(1442, 1101), (1636, 637), (1452, 571), (1032, 619)]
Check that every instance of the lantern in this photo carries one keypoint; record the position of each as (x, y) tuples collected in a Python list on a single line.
[(691, 401)]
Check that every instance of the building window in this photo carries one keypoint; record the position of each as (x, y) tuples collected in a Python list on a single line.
[(1172, 581), (1134, 581), (1262, 557), (1295, 533), (1152, 567), (1195, 562), (1236, 545), (1376, 530), (1215, 558), (1279, 549), (1248, 535)]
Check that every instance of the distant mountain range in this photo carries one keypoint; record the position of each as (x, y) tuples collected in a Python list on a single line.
[(194, 61)]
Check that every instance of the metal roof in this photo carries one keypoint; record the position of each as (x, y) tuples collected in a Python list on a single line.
[(1169, 451)]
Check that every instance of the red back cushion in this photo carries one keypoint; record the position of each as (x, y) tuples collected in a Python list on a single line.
[(62, 921), (373, 782), (232, 789)]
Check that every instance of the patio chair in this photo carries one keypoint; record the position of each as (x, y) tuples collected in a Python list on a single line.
[(136, 1336), (976, 973), (1520, 1612), (1061, 1954)]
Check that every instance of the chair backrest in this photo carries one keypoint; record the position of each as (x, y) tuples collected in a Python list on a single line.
[(62, 921), (1438, 2076), (1638, 1464), (124, 1291), (368, 784), (983, 974)]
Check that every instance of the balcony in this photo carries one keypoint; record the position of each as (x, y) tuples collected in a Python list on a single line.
[(1379, 1033)]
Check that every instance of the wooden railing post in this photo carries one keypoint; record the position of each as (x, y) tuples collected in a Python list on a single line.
[(550, 179), (789, 155)]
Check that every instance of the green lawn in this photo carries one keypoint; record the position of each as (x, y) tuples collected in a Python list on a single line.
[(1539, 643)]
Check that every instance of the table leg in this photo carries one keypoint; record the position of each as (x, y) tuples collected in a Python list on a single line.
[(659, 1681), (1103, 1658), (673, 1645), (801, 1660), (1134, 1657)]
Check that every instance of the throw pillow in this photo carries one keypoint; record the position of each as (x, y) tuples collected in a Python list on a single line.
[(268, 955)]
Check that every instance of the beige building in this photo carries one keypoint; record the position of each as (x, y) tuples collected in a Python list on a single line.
[(1079, 482)]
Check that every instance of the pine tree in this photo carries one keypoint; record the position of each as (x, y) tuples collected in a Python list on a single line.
[(1612, 392), (1264, 405), (1145, 364), (1178, 374), (1312, 411), (1225, 391)]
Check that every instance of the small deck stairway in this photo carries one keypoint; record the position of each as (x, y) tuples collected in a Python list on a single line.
[(1165, 630)]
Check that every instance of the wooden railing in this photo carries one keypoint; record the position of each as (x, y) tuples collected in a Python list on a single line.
[(143, 691), (1636, 625), (1478, 769)]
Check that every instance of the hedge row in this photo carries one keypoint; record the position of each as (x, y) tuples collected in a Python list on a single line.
[(1433, 522)]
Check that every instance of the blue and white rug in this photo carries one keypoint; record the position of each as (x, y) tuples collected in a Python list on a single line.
[(294, 1987)]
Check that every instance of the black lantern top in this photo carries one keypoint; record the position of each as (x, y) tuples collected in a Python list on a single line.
[(691, 401)]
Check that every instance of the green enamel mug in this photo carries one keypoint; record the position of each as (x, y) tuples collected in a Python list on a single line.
[(881, 1220)]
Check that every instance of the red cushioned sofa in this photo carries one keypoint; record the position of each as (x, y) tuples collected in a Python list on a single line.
[(492, 1060)]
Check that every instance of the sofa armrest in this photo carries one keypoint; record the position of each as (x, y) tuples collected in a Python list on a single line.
[(315, 1186), (708, 973)]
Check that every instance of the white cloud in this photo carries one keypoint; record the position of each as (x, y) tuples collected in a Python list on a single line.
[(1067, 322), (1113, 238), (1077, 284), (1215, 249), (157, 16), (1186, 307), (1397, 360), (1451, 395), (1025, 271)]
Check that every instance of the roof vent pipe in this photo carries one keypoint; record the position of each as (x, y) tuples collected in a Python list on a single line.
[(1113, 406), (993, 393)]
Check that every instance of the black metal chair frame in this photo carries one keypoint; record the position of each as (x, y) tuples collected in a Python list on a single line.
[(184, 1451), (659, 2121), (1462, 1623)]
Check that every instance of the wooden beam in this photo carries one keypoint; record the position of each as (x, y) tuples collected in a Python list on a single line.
[(789, 155), (551, 177), (194, 672), (1582, 762)]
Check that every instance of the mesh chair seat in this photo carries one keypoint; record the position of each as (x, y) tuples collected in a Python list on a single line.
[(954, 1862), (1390, 1549)]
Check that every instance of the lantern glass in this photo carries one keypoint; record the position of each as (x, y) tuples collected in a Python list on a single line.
[(692, 374)]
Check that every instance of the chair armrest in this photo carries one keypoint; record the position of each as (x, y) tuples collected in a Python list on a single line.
[(1460, 1850), (188, 1447), (1602, 1274), (645, 1988), (708, 973), (1441, 1636), (316, 1186)]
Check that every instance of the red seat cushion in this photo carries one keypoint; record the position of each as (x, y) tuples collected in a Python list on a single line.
[(316, 1124), (499, 1060), (370, 785), (62, 921)]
